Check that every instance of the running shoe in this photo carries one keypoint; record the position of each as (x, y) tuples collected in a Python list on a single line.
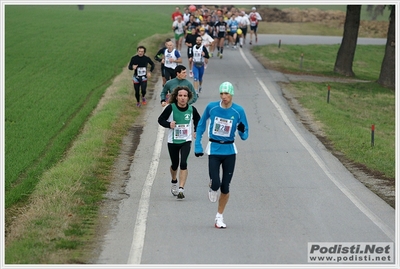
[(250, 43), (138, 104), (219, 223), (220, 56), (180, 194), (234, 47), (144, 101), (199, 89), (174, 189), (212, 195), (241, 46), (212, 55), (190, 73)]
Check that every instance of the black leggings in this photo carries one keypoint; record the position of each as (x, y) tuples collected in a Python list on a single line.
[(228, 166), (137, 85), (174, 150)]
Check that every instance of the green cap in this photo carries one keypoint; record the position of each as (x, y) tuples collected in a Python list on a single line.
[(226, 87)]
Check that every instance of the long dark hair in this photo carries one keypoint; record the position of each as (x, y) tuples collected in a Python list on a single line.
[(173, 98)]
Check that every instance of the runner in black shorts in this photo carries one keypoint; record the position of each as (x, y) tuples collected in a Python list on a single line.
[(221, 27)]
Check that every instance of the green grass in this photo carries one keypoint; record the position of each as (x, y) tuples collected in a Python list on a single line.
[(320, 59), (59, 61), (353, 107), (59, 152), (364, 13), (347, 119), (62, 216)]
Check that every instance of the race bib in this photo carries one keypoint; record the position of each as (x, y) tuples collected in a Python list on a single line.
[(181, 131), (222, 127), (141, 71)]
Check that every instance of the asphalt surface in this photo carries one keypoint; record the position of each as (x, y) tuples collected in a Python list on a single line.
[(287, 190)]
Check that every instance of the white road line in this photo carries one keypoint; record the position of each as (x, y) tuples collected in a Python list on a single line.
[(353, 198), (135, 254), (139, 232)]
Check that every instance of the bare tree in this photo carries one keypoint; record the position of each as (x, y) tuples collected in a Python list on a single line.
[(387, 75), (345, 55)]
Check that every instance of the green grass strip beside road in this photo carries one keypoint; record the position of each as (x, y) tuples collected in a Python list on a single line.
[(353, 106), (52, 80), (59, 62)]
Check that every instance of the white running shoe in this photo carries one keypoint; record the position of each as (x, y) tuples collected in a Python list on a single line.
[(212, 195), (219, 223), (180, 194), (174, 189)]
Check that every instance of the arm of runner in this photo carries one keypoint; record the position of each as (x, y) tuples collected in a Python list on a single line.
[(194, 99), (163, 118)]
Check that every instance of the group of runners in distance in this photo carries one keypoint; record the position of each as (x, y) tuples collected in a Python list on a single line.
[(203, 30), (225, 26)]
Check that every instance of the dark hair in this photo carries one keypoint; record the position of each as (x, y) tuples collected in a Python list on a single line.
[(141, 47), (179, 68), (167, 40), (173, 98)]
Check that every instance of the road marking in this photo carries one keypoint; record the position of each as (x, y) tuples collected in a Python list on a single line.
[(353, 198), (139, 232)]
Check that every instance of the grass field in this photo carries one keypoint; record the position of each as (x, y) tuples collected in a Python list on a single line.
[(353, 108), (365, 15), (59, 62)]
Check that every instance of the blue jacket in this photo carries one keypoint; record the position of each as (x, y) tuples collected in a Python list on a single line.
[(221, 129)]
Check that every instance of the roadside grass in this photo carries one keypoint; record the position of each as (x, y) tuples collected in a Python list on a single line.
[(353, 107), (59, 61), (363, 16), (60, 221), (320, 59), (62, 190), (305, 28), (348, 117)]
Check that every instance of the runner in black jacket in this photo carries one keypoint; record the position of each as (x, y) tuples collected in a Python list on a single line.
[(139, 64)]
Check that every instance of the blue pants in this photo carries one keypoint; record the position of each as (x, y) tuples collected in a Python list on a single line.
[(198, 72)]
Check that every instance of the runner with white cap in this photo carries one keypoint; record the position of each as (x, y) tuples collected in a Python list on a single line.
[(254, 18)]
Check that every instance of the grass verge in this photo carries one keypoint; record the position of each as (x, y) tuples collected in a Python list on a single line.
[(353, 107), (60, 220)]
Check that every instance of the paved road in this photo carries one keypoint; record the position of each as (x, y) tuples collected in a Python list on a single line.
[(287, 190)]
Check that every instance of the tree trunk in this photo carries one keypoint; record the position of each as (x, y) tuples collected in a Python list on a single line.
[(387, 75), (345, 55)]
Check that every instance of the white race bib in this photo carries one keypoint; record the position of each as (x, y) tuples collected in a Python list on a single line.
[(181, 131), (222, 127)]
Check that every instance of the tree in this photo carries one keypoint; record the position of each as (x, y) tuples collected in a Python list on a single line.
[(345, 55), (387, 74)]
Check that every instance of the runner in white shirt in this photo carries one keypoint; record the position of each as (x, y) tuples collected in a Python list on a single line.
[(179, 27), (254, 17), (171, 58), (207, 40), (243, 25), (186, 15)]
